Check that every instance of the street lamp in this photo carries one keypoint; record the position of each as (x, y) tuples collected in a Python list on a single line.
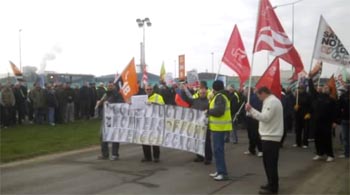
[(142, 24), (292, 4), (20, 49)]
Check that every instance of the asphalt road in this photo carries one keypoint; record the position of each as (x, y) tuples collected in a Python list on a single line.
[(81, 173)]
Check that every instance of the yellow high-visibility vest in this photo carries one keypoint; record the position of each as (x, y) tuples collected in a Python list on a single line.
[(224, 122), (156, 98)]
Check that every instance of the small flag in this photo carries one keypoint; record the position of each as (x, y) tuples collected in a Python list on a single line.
[(235, 56), (316, 72), (127, 81), (17, 72), (271, 78), (162, 73)]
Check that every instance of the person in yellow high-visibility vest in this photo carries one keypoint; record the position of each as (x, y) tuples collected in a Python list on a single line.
[(220, 122), (153, 98)]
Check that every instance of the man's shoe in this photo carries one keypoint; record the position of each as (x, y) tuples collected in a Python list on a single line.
[(102, 157), (146, 160), (342, 156), (213, 174), (305, 146), (317, 157), (207, 162), (114, 157), (265, 187), (295, 145), (247, 153), (198, 160), (329, 159), (260, 154), (156, 160), (221, 178), (266, 192)]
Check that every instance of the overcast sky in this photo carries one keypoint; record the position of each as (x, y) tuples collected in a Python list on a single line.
[(101, 36)]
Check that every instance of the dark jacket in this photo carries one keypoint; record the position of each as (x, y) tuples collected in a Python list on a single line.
[(168, 95), (219, 105), (85, 94), (51, 99), (114, 97), (20, 95), (343, 104), (100, 92), (197, 103), (323, 107), (69, 95)]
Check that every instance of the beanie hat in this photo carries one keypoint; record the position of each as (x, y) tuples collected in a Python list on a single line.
[(218, 85)]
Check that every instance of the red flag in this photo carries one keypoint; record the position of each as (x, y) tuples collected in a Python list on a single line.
[(271, 78), (127, 81), (144, 76), (15, 70), (271, 36), (235, 56)]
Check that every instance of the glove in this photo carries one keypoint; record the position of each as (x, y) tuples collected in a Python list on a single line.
[(307, 116), (296, 107)]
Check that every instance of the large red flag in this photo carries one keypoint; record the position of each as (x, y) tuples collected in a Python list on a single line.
[(235, 56), (271, 78), (271, 36), (127, 81)]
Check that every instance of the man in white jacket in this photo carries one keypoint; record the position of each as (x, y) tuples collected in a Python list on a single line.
[(271, 132)]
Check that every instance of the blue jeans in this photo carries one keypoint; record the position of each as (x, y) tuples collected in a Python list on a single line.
[(346, 139), (51, 115), (219, 152)]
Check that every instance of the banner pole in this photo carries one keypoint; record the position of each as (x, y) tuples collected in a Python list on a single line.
[(297, 99)]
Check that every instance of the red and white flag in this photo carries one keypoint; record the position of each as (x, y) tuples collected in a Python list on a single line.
[(271, 36), (235, 56), (271, 78), (144, 76)]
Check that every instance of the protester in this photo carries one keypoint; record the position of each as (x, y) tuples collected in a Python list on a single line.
[(344, 118), (69, 103), (271, 131), (253, 127), (93, 100), (302, 118), (7, 101), (324, 116), (112, 96), (288, 112), (77, 103), (85, 100), (220, 122), (20, 93), (52, 104), (61, 99), (200, 103), (235, 100), (101, 91), (38, 98), (153, 98)]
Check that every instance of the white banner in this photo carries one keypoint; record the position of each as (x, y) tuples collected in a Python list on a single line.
[(162, 125), (328, 47)]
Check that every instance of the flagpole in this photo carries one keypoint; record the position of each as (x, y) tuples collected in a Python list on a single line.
[(252, 66), (217, 74), (313, 53)]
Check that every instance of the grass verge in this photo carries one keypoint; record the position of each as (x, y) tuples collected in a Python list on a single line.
[(27, 141)]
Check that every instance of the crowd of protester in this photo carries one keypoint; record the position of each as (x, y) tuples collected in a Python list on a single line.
[(56, 103)]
